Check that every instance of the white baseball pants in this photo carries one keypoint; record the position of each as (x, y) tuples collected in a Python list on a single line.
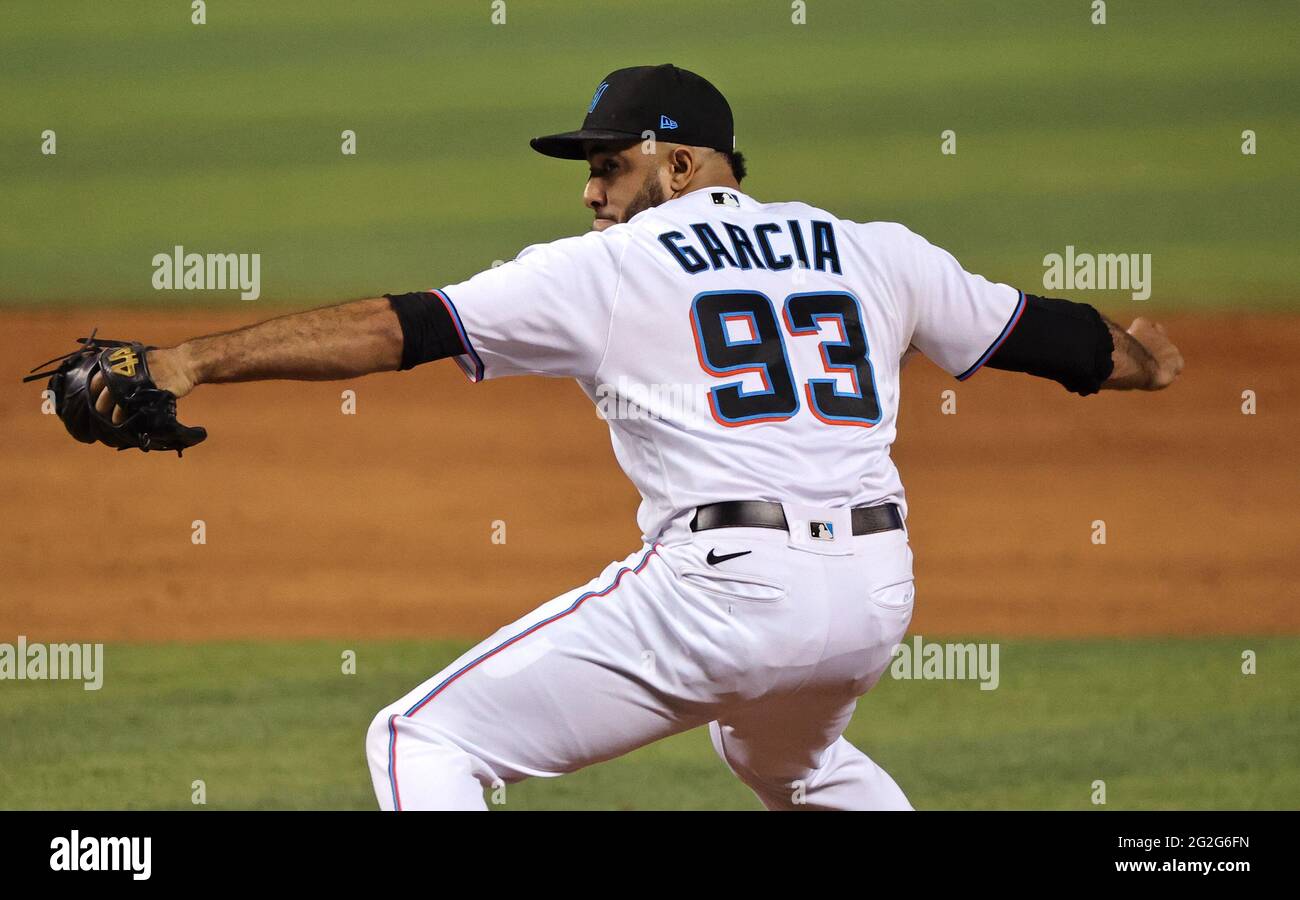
[(770, 649)]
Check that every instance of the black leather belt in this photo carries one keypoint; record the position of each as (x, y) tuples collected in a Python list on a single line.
[(764, 514)]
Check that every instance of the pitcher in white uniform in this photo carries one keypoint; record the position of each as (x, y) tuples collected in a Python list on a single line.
[(764, 620), (759, 345)]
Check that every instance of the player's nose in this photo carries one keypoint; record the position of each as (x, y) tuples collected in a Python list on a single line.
[(593, 195)]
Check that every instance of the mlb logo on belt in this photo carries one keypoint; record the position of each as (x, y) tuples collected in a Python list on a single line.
[(821, 531)]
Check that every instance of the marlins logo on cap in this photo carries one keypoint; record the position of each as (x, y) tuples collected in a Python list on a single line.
[(630, 102)]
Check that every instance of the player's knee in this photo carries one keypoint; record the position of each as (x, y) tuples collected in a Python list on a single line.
[(751, 770), (391, 727), (380, 734)]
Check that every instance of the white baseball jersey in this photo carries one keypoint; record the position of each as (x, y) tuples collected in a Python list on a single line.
[(739, 350)]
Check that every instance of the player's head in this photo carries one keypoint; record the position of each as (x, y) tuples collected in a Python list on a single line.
[(651, 134)]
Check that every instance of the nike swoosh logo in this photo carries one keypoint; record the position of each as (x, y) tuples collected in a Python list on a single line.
[(713, 559)]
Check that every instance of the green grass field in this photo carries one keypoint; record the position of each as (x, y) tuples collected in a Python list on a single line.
[(225, 137), (1166, 724)]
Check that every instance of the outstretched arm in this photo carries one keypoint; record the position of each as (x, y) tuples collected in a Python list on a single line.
[(318, 345), (342, 341), (1144, 358), (1075, 345)]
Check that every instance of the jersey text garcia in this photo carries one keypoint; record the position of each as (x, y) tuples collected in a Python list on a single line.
[(764, 245)]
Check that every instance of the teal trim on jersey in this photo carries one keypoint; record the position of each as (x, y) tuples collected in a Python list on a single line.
[(477, 375), (993, 348)]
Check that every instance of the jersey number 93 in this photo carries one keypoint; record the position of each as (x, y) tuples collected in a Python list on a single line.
[(723, 354)]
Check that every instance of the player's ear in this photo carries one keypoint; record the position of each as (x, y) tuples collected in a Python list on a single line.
[(681, 166)]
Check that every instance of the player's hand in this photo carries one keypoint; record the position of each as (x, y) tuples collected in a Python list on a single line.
[(1169, 362), (165, 368)]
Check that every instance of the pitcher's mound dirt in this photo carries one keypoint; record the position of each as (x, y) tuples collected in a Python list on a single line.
[(380, 523)]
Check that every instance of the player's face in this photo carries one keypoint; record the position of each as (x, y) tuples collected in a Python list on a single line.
[(623, 182)]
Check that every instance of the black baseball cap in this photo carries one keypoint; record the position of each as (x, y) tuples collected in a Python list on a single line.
[(675, 104)]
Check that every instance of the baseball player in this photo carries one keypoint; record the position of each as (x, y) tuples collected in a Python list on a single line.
[(763, 343)]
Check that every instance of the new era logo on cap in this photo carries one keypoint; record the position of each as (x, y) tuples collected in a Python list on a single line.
[(629, 102)]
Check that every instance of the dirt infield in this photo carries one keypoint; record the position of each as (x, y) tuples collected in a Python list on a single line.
[(380, 523)]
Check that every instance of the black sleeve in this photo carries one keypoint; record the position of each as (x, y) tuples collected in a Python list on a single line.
[(428, 332), (1061, 340)]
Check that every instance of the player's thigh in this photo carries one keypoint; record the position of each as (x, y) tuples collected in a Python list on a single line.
[(567, 685), (782, 740), (785, 737)]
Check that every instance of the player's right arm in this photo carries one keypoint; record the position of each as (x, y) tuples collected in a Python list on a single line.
[(1143, 359), (964, 322), (1076, 346)]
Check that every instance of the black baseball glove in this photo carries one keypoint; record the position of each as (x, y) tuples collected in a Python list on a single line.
[(149, 421)]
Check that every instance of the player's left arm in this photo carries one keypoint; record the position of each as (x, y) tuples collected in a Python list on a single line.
[(1075, 345), (546, 312), (381, 334), (341, 341)]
